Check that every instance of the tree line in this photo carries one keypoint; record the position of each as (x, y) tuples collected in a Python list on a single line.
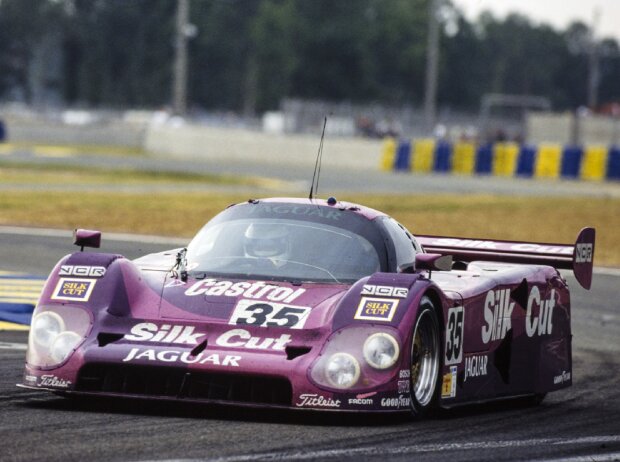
[(247, 55)]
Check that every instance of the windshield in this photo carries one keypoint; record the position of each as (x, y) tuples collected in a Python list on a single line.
[(298, 248)]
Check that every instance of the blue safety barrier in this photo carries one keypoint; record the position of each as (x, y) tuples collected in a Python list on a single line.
[(443, 157), (613, 164), (543, 161), (484, 159), (17, 313), (526, 161), (571, 161), (403, 155)]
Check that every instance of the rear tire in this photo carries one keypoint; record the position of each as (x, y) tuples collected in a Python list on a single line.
[(425, 360)]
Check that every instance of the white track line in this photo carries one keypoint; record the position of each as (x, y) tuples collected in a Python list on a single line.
[(13, 346)]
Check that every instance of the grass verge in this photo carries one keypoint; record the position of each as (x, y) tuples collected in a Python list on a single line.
[(15, 173), (61, 150), (554, 220)]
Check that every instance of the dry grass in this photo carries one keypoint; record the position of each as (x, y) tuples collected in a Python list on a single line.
[(175, 214), (13, 173)]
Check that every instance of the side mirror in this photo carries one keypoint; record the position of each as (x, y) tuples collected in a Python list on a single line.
[(408, 268), (433, 262), (86, 238)]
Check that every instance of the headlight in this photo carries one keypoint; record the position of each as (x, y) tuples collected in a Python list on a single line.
[(55, 333), (342, 370), (357, 357), (381, 350), (63, 346), (45, 327)]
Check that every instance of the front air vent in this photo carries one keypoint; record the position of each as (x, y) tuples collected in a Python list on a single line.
[(166, 382), (199, 348), (293, 352), (105, 338)]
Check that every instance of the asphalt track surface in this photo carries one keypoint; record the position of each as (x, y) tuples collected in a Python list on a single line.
[(579, 423)]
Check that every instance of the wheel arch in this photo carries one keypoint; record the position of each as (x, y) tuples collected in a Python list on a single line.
[(429, 398), (433, 294)]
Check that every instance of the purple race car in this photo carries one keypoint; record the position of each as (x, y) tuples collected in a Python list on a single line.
[(313, 304)]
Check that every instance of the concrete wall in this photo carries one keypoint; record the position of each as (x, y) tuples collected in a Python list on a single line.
[(549, 128), (233, 144), (599, 130), (566, 128), (113, 133), (174, 138)]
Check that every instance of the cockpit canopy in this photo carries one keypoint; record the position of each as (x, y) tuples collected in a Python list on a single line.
[(295, 242)]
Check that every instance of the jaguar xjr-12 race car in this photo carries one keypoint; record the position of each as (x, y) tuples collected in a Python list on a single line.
[(313, 304)]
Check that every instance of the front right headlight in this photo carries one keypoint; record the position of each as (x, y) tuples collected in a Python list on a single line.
[(45, 327), (63, 346), (357, 357), (55, 333), (381, 350)]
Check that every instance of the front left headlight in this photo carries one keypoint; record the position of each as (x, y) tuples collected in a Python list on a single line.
[(342, 370)]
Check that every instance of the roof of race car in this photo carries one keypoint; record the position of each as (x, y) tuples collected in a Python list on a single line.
[(331, 202)]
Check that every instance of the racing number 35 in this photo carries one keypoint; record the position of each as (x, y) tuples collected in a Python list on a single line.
[(249, 312), (454, 335)]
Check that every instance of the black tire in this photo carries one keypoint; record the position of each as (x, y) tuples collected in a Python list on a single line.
[(425, 360)]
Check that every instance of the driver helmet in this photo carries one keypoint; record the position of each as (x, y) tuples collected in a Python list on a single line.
[(267, 240)]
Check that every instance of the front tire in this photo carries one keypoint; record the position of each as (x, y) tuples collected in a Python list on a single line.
[(425, 359)]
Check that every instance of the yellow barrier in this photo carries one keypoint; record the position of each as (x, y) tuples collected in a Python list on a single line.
[(388, 154), (505, 158), (423, 152), (594, 163), (464, 158), (548, 161), (12, 326)]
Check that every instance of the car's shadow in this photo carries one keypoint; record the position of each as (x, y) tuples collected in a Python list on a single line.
[(262, 415)]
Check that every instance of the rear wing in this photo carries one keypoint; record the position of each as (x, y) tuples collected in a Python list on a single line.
[(578, 257)]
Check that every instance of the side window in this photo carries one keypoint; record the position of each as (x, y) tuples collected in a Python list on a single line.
[(405, 244), (414, 241)]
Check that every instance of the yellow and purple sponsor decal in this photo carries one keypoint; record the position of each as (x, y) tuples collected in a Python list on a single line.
[(77, 290), (448, 384), (376, 309)]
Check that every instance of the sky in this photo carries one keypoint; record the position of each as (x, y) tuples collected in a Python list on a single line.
[(557, 13)]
